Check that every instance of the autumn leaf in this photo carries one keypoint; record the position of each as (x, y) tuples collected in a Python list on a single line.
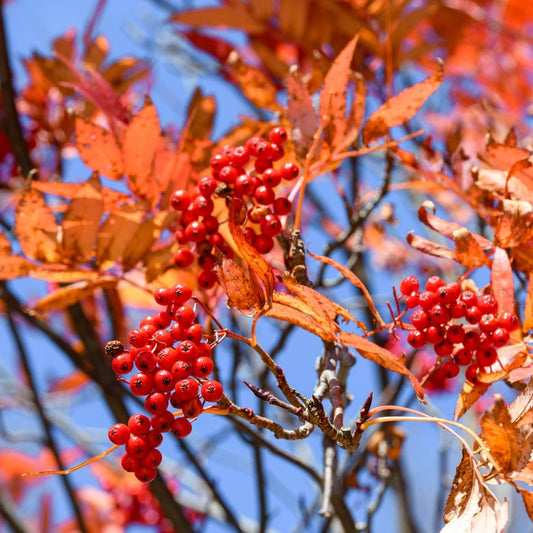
[(528, 308), (468, 396), (81, 221), (401, 107), (527, 497), (139, 146), (354, 280), (429, 247), (508, 445), (66, 296), (515, 224), (332, 108), (501, 280), (468, 251), (63, 274), (36, 228), (98, 149), (14, 266), (471, 507)]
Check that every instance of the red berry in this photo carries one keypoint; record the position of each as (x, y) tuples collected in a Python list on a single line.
[(202, 206), (196, 231), (122, 364), (163, 296), (194, 333), (264, 195), (137, 338), (119, 434), (449, 369), (263, 244), (204, 350), (488, 304), (153, 437), (444, 348), (187, 389), (163, 381), (180, 200), (428, 299), (509, 321), (167, 356), (270, 225), (137, 446), (416, 338), (500, 337), (202, 367), (207, 279), (185, 315), (128, 463), (240, 156), (162, 320), (409, 284), (463, 357), (245, 185), (139, 424), (181, 427), (469, 298), (212, 391), (207, 185), (193, 408), (271, 178), (420, 319), (152, 459), (141, 384), (276, 152), (435, 334), (180, 293), (278, 135), (471, 373), (219, 161), (206, 262), (473, 314), (145, 474), (438, 315), (289, 171), (145, 361), (433, 283), (227, 174), (183, 258), (412, 300), (488, 323), (471, 339), (455, 333), (458, 309), (187, 351), (262, 164), (282, 206), (156, 403), (181, 370), (486, 356), (162, 422)]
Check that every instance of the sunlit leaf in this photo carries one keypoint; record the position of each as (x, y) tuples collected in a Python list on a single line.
[(401, 107), (501, 280), (468, 251), (14, 266), (429, 247), (468, 396), (98, 149)]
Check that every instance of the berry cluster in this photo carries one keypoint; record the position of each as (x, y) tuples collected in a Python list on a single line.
[(246, 173), (172, 365), (464, 328)]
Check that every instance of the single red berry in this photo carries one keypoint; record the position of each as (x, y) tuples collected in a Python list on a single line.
[(185, 315), (251, 145), (500, 337), (449, 292), (207, 279), (187, 389), (167, 356), (449, 369), (180, 200), (240, 156), (152, 459), (444, 348), (278, 135), (270, 225), (264, 195), (162, 338), (196, 231), (162, 422), (212, 390), (163, 296), (486, 356), (420, 319), (455, 333), (485, 339), (438, 315), (263, 244), (509, 321), (250, 235), (433, 283), (181, 293), (145, 474), (207, 185), (473, 315), (471, 339), (262, 150), (182, 370), (137, 446), (204, 350), (271, 178), (162, 320), (163, 381), (122, 364), (194, 333), (145, 361), (193, 408), (155, 403), (416, 338), (137, 338), (282, 206), (153, 437), (141, 384), (181, 427), (139, 424), (177, 332), (206, 262), (179, 236), (488, 304), (276, 152), (412, 300), (409, 284), (148, 320), (463, 357), (262, 164), (227, 174), (289, 171), (216, 239), (435, 334), (187, 351), (488, 323), (428, 299), (202, 367), (471, 373), (469, 298), (245, 185), (119, 434), (183, 258), (202, 206), (129, 463), (219, 161), (458, 309)]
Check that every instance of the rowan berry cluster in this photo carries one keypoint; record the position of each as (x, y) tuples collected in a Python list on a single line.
[(245, 173), (464, 328), (171, 364)]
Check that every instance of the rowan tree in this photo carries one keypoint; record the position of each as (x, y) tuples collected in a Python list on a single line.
[(267, 316)]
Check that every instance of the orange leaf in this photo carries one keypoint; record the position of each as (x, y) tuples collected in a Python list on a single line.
[(14, 266), (429, 247), (333, 97), (501, 279), (81, 221), (62, 274), (401, 107), (140, 243), (117, 232), (66, 296), (354, 280), (469, 395), (528, 502), (139, 147), (445, 227), (515, 224), (301, 114), (508, 445), (468, 251), (36, 228), (258, 265), (528, 309), (381, 356), (98, 149)]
